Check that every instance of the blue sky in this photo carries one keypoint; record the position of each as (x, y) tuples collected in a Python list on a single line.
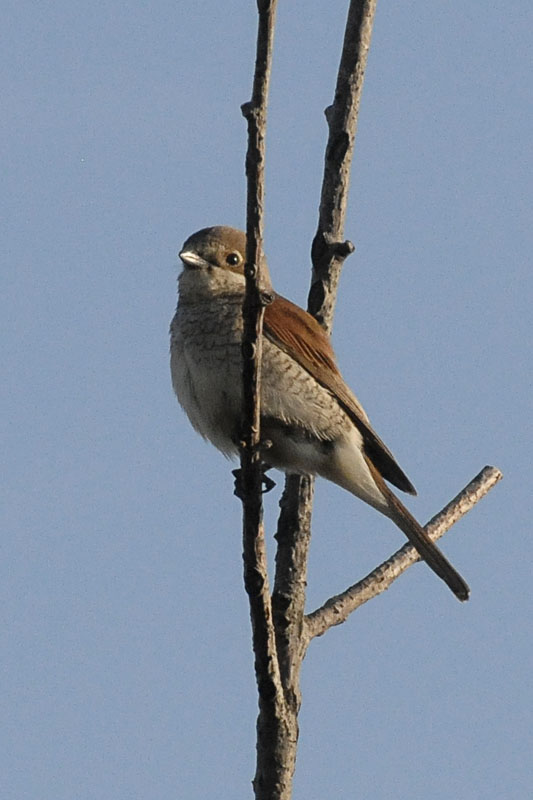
[(125, 639)]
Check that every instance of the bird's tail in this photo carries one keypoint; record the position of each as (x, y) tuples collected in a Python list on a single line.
[(426, 547)]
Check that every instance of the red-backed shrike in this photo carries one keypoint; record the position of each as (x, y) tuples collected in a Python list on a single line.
[(312, 421)]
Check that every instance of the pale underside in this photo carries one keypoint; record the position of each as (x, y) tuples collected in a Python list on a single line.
[(306, 429)]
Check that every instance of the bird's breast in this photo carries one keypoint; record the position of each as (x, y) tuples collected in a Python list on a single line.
[(206, 367), (205, 360)]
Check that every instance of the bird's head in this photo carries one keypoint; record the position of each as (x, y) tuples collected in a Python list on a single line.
[(219, 248)]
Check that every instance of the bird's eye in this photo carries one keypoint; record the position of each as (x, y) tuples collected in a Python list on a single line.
[(233, 259)]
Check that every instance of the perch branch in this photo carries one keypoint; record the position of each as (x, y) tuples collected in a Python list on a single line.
[(337, 609), (276, 739)]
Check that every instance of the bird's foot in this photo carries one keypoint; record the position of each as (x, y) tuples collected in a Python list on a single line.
[(266, 481)]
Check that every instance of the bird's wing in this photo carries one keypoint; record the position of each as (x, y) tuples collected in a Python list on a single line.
[(308, 343)]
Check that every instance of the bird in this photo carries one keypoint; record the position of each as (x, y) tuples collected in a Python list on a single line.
[(311, 422)]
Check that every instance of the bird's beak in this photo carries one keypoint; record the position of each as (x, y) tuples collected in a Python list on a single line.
[(192, 260)]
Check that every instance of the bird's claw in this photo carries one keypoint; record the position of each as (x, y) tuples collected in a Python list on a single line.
[(267, 482)]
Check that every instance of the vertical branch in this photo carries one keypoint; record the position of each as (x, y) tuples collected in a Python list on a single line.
[(329, 251), (294, 525), (273, 734), (288, 598)]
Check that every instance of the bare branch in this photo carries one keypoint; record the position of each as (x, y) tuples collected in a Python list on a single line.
[(275, 730), (328, 253), (294, 526), (281, 632), (337, 609), (288, 598), (329, 250)]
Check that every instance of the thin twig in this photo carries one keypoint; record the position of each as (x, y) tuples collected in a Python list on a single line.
[(337, 609), (271, 725), (329, 250)]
